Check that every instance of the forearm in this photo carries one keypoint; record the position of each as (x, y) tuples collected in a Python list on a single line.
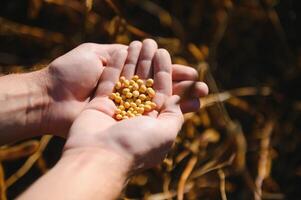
[(23, 100), (82, 174)]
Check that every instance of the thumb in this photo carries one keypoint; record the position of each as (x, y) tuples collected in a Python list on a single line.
[(171, 114)]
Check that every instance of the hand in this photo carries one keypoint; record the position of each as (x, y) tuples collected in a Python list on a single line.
[(72, 78), (143, 140), (142, 54)]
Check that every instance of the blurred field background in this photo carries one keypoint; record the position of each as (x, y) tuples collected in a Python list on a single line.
[(245, 143)]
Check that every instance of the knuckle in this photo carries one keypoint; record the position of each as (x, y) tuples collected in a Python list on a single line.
[(88, 45)]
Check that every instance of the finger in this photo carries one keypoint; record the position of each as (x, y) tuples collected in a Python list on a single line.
[(162, 76), (111, 73), (183, 73), (191, 105), (200, 89), (132, 59), (103, 51), (171, 114), (149, 48)]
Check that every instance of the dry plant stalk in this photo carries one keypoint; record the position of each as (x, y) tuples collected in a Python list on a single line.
[(264, 158), (29, 162), (222, 185), (19, 151), (187, 171), (2, 184)]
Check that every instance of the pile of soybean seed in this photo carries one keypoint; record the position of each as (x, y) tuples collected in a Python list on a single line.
[(133, 97)]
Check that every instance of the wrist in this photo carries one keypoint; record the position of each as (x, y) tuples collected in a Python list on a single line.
[(39, 82), (106, 159)]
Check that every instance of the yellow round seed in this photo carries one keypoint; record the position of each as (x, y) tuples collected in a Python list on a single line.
[(140, 110), (118, 85), (129, 95), (131, 115), (135, 86), (112, 96), (117, 111), (139, 81), (149, 82), (153, 105), (121, 107), (148, 102), (125, 90), (147, 108), (135, 78), (126, 104), (126, 83), (133, 105), (136, 97), (138, 102), (119, 116), (136, 93), (142, 89), (132, 82), (122, 79), (118, 99), (151, 92), (142, 97), (123, 97)]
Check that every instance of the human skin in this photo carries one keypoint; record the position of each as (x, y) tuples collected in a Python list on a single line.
[(100, 152), (48, 101)]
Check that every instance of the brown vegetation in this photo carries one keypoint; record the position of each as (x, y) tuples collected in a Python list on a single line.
[(245, 141)]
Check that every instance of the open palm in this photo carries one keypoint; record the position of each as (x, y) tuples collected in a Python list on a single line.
[(74, 76), (145, 138)]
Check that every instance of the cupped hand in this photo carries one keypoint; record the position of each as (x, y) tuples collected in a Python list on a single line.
[(143, 139), (72, 78)]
